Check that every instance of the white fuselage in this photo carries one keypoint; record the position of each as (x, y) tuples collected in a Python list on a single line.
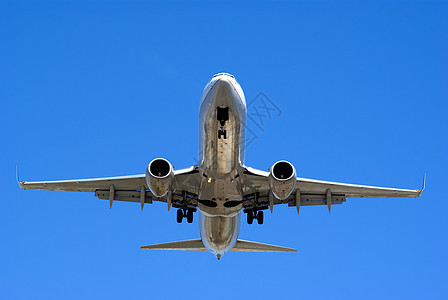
[(221, 158)]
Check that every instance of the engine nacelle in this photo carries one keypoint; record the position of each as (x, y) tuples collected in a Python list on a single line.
[(282, 179), (159, 176)]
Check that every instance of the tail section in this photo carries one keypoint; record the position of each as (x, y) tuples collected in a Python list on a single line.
[(240, 246)]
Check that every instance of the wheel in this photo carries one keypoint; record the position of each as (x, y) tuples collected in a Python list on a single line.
[(225, 134), (260, 217), (189, 216), (250, 217), (180, 215)]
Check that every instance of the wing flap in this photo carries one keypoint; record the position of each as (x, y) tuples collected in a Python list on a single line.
[(128, 196)]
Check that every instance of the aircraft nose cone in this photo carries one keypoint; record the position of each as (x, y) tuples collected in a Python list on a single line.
[(223, 83), (223, 90)]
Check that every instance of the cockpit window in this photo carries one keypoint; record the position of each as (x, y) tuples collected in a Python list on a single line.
[(226, 74)]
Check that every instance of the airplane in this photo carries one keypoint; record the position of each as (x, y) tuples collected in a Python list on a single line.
[(220, 187)]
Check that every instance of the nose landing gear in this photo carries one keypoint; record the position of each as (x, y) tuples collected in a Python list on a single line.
[(259, 216), (222, 132), (184, 213)]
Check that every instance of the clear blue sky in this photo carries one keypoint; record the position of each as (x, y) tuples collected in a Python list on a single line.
[(100, 89)]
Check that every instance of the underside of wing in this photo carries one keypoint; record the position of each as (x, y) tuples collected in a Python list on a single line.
[(353, 190), (131, 188), (132, 182), (258, 195), (258, 181)]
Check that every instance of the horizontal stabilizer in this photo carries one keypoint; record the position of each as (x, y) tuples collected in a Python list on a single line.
[(247, 246), (191, 245), (197, 245)]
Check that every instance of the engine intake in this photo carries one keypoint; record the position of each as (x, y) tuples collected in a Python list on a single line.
[(282, 179), (159, 176)]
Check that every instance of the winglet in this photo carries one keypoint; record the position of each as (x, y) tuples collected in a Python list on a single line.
[(423, 185), (21, 183)]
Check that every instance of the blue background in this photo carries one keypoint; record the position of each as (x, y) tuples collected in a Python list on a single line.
[(99, 89)]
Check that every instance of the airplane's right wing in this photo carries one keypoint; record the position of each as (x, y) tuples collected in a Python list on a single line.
[(127, 188)]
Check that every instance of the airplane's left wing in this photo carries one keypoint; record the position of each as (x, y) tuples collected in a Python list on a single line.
[(312, 192), (131, 188)]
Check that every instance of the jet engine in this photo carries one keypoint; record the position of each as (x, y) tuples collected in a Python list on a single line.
[(282, 179), (159, 176)]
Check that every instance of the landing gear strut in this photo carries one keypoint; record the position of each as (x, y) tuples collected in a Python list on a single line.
[(259, 216), (184, 213)]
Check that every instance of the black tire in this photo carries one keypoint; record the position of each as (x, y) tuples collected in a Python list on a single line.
[(189, 216), (250, 217), (260, 217), (180, 215)]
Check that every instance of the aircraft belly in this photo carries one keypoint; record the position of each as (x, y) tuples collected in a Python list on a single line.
[(220, 159), (221, 155)]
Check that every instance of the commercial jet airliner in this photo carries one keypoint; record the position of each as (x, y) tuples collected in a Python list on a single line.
[(220, 187)]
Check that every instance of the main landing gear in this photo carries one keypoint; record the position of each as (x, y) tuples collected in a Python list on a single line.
[(251, 215), (184, 213), (222, 115)]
